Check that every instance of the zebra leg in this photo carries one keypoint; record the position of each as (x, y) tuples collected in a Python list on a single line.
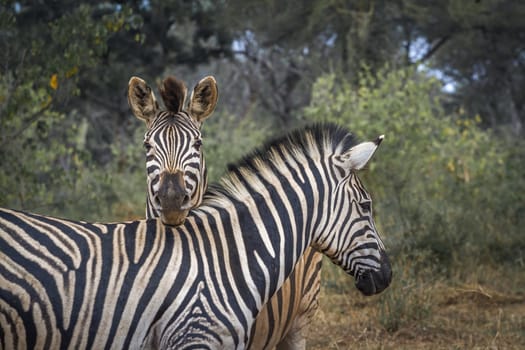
[(294, 340), (308, 278), (283, 321)]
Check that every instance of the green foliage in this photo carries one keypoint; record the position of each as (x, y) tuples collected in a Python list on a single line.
[(44, 165), (126, 179), (479, 46), (227, 139), (442, 185)]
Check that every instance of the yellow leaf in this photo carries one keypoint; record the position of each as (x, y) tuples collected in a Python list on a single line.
[(47, 102), (451, 167), (477, 118), (71, 72), (53, 82)]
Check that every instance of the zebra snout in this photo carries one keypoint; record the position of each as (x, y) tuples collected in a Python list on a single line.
[(173, 198), (372, 282), (172, 190)]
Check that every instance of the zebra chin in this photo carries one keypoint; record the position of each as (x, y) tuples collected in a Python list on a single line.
[(173, 217), (372, 282)]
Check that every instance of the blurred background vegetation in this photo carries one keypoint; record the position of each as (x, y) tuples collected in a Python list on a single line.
[(443, 80)]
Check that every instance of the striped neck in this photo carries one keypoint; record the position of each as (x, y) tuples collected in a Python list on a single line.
[(272, 206), (250, 232)]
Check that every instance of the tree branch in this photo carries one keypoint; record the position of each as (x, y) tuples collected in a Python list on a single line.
[(437, 45), (32, 118)]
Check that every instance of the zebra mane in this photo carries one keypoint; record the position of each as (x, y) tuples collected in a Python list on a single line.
[(310, 142)]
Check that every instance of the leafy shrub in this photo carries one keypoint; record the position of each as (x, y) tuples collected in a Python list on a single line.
[(227, 138), (441, 183), (45, 165)]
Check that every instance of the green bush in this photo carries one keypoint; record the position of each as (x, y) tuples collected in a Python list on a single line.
[(49, 171), (45, 165), (441, 184), (226, 138)]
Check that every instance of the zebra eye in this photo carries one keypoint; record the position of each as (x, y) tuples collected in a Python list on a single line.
[(147, 146), (366, 206), (197, 144)]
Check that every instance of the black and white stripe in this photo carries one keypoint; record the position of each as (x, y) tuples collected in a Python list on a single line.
[(141, 284), (173, 143), (170, 143)]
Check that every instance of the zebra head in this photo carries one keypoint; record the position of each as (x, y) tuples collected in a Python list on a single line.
[(176, 171), (356, 245)]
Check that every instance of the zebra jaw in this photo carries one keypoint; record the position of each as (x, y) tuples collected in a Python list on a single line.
[(371, 282)]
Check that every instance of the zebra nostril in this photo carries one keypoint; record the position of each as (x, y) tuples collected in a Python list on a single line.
[(186, 202)]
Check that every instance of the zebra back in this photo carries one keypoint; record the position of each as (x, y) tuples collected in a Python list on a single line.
[(69, 284)]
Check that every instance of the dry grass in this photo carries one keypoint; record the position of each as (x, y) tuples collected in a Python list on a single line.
[(484, 311)]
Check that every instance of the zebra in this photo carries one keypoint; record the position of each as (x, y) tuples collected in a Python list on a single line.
[(283, 322), (142, 284), (176, 170)]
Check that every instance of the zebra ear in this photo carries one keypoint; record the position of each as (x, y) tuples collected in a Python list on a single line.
[(358, 156), (142, 100), (173, 92), (203, 99)]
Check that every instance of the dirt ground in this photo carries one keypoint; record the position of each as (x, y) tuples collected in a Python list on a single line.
[(465, 317)]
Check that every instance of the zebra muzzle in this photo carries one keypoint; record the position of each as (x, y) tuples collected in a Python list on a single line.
[(371, 281), (173, 198)]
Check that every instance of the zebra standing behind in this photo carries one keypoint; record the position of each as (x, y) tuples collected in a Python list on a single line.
[(176, 169), (67, 284), (173, 150)]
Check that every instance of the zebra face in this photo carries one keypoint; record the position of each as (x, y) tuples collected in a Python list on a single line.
[(365, 257), (351, 239), (176, 172)]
